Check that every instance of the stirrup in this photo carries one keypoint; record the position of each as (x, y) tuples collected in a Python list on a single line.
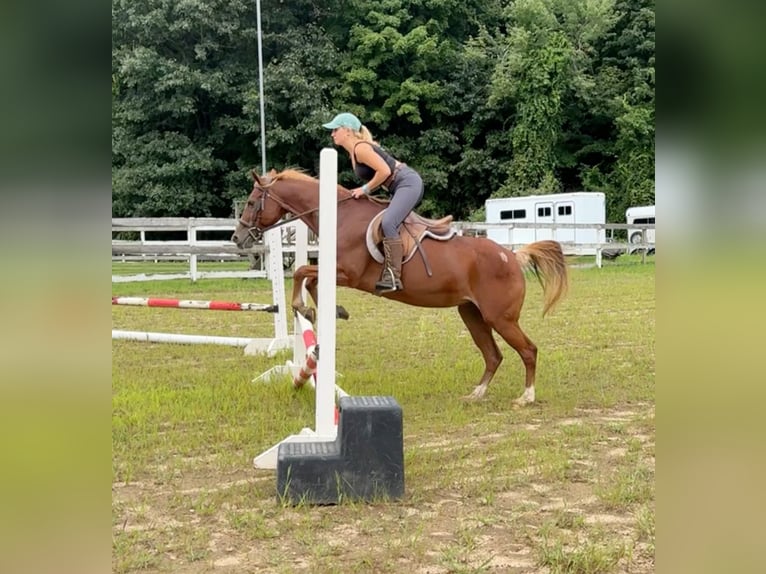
[(383, 286)]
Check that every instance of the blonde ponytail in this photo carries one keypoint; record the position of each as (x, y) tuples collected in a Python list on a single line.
[(365, 135)]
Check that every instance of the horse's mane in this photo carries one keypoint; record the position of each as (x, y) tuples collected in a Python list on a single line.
[(297, 173), (293, 173)]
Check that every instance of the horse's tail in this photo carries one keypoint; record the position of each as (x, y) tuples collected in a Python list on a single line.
[(547, 261)]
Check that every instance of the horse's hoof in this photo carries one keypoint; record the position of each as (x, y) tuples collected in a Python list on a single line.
[(341, 313), (527, 397), (477, 394), (307, 312)]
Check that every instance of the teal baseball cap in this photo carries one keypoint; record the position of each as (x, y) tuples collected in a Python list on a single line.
[(344, 120)]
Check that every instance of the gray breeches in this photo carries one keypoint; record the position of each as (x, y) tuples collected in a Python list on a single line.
[(407, 192)]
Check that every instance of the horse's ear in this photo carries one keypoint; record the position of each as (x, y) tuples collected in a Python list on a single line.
[(255, 177)]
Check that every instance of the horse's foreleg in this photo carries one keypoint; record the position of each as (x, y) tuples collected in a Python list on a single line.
[(307, 273), (310, 274), (481, 333), (515, 337)]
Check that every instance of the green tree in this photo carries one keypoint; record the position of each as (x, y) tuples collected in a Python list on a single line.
[(181, 78), (545, 68), (408, 75), (619, 159), (481, 96)]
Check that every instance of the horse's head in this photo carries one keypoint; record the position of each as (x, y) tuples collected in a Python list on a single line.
[(261, 211)]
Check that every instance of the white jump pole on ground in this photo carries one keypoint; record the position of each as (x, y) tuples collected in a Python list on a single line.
[(149, 337), (325, 428)]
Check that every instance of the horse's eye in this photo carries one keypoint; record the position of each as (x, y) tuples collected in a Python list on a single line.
[(250, 203)]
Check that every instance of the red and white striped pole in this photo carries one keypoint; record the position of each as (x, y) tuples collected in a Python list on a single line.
[(309, 366), (190, 304)]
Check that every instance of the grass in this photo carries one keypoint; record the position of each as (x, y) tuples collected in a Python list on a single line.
[(566, 484), (588, 558)]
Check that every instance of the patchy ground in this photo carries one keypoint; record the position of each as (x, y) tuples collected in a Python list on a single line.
[(569, 495)]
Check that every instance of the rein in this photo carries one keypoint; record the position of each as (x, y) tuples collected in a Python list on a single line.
[(265, 195)]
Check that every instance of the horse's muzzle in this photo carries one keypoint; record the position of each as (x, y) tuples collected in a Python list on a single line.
[(245, 237)]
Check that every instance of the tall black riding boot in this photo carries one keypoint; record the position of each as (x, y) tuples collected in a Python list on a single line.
[(391, 277)]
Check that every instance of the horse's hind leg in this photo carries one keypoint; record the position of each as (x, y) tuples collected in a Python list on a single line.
[(482, 336), (510, 331)]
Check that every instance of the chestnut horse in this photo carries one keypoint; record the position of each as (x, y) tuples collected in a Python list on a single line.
[(482, 279)]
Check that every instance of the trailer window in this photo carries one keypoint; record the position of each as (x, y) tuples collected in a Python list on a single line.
[(513, 214), (565, 210), (543, 212), (644, 220)]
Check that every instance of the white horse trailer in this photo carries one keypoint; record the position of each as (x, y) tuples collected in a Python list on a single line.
[(641, 215), (578, 207)]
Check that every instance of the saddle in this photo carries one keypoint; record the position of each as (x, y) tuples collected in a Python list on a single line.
[(414, 228)]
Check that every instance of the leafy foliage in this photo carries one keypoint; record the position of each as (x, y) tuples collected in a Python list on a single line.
[(484, 98)]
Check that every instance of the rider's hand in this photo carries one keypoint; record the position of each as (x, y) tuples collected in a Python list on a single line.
[(357, 193)]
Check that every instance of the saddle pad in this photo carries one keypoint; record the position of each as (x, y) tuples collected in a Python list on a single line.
[(409, 243)]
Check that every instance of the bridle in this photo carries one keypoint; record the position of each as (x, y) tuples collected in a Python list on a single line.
[(254, 230)]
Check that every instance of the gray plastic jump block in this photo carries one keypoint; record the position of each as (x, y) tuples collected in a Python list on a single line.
[(364, 462)]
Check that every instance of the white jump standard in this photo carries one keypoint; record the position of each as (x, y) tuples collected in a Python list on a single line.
[(324, 416), (360, 457)]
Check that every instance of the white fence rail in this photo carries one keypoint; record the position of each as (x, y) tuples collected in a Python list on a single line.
[(193, 249)]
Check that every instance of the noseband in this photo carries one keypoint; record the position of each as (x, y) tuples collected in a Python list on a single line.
[(253, 230)]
